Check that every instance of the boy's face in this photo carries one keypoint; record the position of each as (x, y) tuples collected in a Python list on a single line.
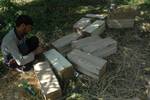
[(28, 28), (24, 29)]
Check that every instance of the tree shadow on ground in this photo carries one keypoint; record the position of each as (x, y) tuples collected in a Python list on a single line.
[(49, 15)]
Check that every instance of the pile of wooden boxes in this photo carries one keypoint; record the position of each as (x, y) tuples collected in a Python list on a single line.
[(83, 51), (84, 48), (51, 71)]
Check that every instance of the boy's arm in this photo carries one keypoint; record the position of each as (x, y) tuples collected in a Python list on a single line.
[(21, 60)]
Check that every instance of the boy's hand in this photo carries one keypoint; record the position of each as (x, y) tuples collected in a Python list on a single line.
[(38, 50)]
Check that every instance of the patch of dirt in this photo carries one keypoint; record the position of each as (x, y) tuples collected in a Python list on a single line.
[(11, 86)]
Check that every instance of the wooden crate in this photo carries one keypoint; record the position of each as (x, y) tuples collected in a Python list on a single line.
[(96, 28), (101, 48), (81, 24), (84, 42), (62, 66), (122, 17), (120, 23), (87, 64), (63, 44), (48, 82)]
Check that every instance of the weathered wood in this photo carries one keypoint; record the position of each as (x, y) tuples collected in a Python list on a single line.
[(96, 46), (105, 52), (90, 63), (120, 23), (100, 44), (63, 44), (49, 84), (82, 23), (99, 16), (86, 72), (85, 41), (108, 46), (96, 28), (60, 63)]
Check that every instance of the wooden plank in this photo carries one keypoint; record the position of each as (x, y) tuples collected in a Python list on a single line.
[(60, 63), (84, 42), (96, 28), (82, 23), (99, 16), (88, 62), (63, 44), (49, 84)]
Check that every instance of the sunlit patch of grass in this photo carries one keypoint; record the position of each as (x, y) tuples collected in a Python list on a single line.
[(83, 9), (75, 96), (145, 27), (22, 2), (1, 57), (137, 2)]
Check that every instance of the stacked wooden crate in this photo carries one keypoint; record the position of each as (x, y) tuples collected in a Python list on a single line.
[(85, 38), (83, 28), (98, 47), (86, 53), (48, 79)]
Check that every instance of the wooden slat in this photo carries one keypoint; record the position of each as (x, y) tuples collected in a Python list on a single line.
[(49, 84)]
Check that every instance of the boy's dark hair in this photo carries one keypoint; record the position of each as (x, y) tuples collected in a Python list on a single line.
[(24, 19)]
